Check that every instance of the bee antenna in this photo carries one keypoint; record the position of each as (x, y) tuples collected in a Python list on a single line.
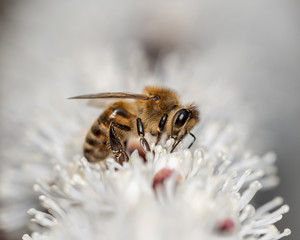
[(193, 139)]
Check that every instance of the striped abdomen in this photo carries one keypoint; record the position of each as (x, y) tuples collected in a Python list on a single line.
[(97, 144), (94, 148)]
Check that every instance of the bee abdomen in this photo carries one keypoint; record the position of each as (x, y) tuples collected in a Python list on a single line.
[(95, 147)]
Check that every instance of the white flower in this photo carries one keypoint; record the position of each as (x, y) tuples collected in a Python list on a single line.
[(200, 194), (73, 55)]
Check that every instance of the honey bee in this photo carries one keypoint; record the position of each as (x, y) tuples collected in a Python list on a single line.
[(156, 111)]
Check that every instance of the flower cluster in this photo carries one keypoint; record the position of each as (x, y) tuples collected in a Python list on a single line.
[(204, 193)]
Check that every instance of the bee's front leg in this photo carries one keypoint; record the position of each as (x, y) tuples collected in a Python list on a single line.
[(141, 133), (115, 143), (161, 127)]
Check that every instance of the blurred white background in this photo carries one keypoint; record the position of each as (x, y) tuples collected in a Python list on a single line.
[(52, 50)]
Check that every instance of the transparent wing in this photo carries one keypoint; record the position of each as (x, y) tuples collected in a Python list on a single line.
[(115, 95), (99, 104)]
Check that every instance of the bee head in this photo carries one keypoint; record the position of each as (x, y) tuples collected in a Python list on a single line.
[(184, 119)]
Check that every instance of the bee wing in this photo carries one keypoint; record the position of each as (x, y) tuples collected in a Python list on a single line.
[(116, 95), (98, 104)]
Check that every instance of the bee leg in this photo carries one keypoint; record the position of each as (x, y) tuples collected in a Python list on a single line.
[(115, 143), (161, 127), (143, 141)]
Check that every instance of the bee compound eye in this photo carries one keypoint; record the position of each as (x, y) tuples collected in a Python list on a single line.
[(182, 117)]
